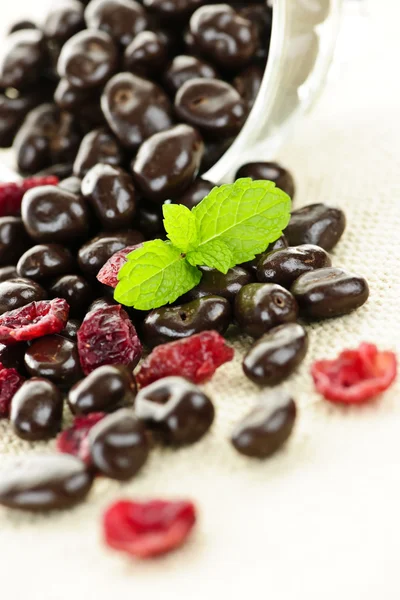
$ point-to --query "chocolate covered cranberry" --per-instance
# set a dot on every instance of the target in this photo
(111, 193)
(317, 224)
(56, 358)
(178, 411)
(185, 67)
(286, 265)
(329, 292)
(88, 59)
(267, 427)
(123, 20)
(44, 261)
(146, 55)
(168, 162)
(51, 214)
(75, 290)
(47, 137)
(13, 240)
(95, 253)
(279, 244)
(44, 482)
(173, 323)
(261, 306)
(18, 292)
(119, 445)
(222, 35)
(248, 83)
(13, 109)
(135, 109)
(212, 105)
(270, 171)
(36, 410)
(106, 389)
(62, 22)
(276, 355)
(195, 193)
(215, 283)
(22, 59)
(98, 146)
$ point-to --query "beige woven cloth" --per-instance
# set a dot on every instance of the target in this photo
(320, 520)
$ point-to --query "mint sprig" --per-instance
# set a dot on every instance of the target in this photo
(229, 227)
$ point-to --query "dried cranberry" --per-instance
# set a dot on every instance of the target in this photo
(11, 194)
(108, 274)
(74, 439)
(146, 529)
(10, 382)
(34, 320)
(355, 376)
(107, 337)
(196, 358)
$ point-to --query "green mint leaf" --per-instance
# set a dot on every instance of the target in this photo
(154, 275)
(180, 223)
(215, 254)
(246, 215)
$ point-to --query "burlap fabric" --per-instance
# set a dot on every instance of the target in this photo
(320, 520)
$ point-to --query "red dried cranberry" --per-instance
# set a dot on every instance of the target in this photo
(34, 320)
(107, 337)
(11, 194)
(196, 358)
(108, 274)
(146, 529)
(10, 382)
(355, 376)
(74, 440)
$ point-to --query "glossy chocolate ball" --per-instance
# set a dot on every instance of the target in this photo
(18, 292)
(135, 109)
(286, 265)
(316, 224)
(269, 171)
(64, 21)
(14, 107)
(329, 292)
(106, 389)
(111, 193)
(176, 410)
(13, 240)
(123, 20)
(119, 445)
(267, 426)
(45, 260)
(223, 36)
(261, 306)
(22, 59)
(171, 323)
(185, 67)
(146, 55)
(36, 410)
(56, 358)
(98, 146)
(168, 162)
(75, 290)
(276, 355)
(211, 105)
(44, 482)
(95, 253)
(88, 59)
(51, 214)
(47, 137)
